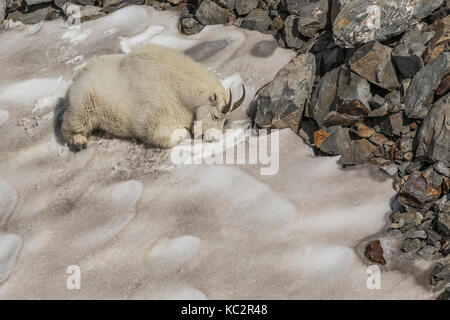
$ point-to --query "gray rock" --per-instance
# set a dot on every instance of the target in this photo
(190, 26)
(423, 86)
(440, 272)
(394, 101)
(291, 33)
(441, 168)
(353, 95)
(337, 140)
(2, 10)
(427, 252)
(373, 62)
(323, 97)
(356, 23)
(257, 19)
(10, 245)
(13, 5)
(394, 125)
(280, 103)
(379, 112)
(434, 134)
(408, 58)
(433, 236)
(419, 234)
(33, 2)
(313, 18)
(412, 245)
(445, 295)
(243, 7)
(359, 152)
(443, 222)
(407, 220)
(32, 17)
(294, 6)
(390, 169)
(418, 34)
(376, 101)
(211, 13)
(338, 119)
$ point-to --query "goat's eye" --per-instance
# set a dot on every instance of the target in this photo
(214, 117)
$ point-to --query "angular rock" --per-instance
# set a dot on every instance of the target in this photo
(433, 138)
(427, 252)
(294, 6)
(13, 5)
(433, 236)
(364, 131)
(394, 125)
(373, 62)
(423, 86)
(313, 17)
(441, 39)
(416, 191)
(390, 169)
(441, 168)
(411, 245)
(374, 252)
(244, 7)
(323, 97)
(443, 223)
(376, 101)
(408, 58)
(407, 220)
(280, 103)
(291, 33)
(333, 140)
(419, 234)
(329, 59)
(353, 96)
(363, 21)
(190, 26)
(440, 272)
(32, 17)
(379, 112)
(359, 152)
(258, 20)
(277, 24)
(418, 34)
(338, 119)
(445, 295)
(33, 2)
(211, 13)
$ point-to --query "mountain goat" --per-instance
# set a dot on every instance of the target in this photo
(149, 94)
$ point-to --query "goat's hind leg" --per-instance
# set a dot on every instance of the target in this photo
(74, 132)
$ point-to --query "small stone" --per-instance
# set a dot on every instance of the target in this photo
(379, 139)
(376, 101)
(394, 125)
(441, 168)
(291, 33)
(313, 17)
(441, 39)
(440, 272)
(419, 234)
(353, 99)
(408, 156)
(379, 112)
(333, 140)
(190, 26)
(390, 169)
(33, 16)
(277, 24)
(209, 13)
(443, 223)
(338, 119)
(244, 7)
(373, 62)
(408, 58)
(433, 237)
(258, 20)
(364, 131)
(359, 152)
(427, 252)
(411, 245)
(374, 252)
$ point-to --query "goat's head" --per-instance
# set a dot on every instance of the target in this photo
(213, 114)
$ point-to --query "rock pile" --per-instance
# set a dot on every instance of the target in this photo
(370, 83)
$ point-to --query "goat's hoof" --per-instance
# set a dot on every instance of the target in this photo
(80, 142)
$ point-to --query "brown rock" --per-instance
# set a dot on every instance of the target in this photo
(441, 40)
(374, 252)
(277, 24)
(373, 62)
(338, 119)
(364, 131)
(320, 137)
(379, 139)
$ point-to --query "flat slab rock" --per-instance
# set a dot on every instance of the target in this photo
(424, 85)
(280, 103)
(434, 134)
(357, 22)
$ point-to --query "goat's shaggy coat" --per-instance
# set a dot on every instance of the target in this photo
(149, 94)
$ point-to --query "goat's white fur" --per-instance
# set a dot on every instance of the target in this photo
(148, 94)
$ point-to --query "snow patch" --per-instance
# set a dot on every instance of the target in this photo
(10, 245)
(4, 116)
(8, 199)
(45, 102)
(127, 44)
(171, 254)
(75, 60)
(28, 91)
(76, 34)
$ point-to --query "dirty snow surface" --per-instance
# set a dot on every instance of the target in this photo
(140, 227)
